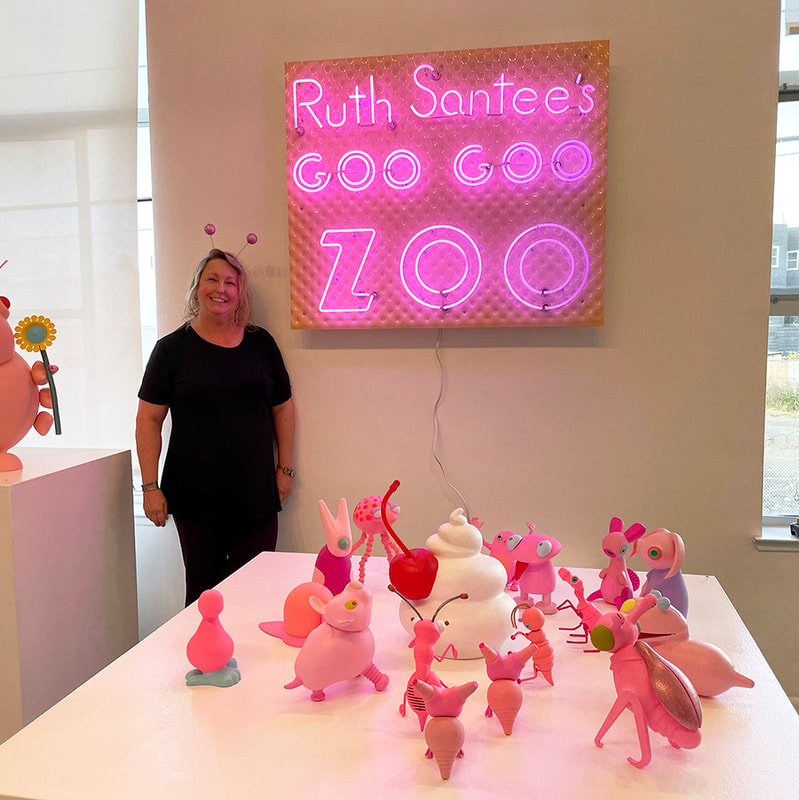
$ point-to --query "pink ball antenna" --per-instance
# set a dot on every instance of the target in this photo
(210, 229)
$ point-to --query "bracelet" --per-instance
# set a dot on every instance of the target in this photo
(149, 487)
(287, 471)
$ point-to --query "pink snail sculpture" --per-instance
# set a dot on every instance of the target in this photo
(210, 649)
(341, 647)
(618, 582)
(659, 696)
(299, 616)
(444, 733)
(504, 693)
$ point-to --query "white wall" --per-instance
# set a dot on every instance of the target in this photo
(655, 417)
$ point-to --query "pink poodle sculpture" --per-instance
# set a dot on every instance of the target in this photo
(708, 668)
(342, 647)
(426, 633)
(535, 573)
(618, 582)
(664, 552)
(333, 565)
(660, 697)
(368, 519)
(210, 649)
(444, 733)
(504, 694)
(532, 628)
(19, 395)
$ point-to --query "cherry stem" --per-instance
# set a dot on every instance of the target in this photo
(391, 489)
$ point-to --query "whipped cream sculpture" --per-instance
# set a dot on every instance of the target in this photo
(485, 616)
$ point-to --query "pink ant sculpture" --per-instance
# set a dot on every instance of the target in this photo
(532, 620)
(660, 697)
(444, 733)
(368, 518)
(504, 694)
(426, 633)
(618, 582)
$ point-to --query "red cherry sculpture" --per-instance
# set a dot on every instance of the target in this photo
(413, 572)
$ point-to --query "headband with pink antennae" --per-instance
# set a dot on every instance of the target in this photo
(210, 230)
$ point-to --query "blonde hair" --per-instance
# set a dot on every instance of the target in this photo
(243, 309)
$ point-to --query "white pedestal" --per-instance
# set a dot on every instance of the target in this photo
(67, 575)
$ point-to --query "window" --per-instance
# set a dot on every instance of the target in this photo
(793, 259)
(775, 256)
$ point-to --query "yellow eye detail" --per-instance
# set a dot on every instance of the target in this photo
(34, 334)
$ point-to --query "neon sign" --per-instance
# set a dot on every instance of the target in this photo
(450, 189)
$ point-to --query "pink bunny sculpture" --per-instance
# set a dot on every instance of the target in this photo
(660, 697)
(504, 693)
(708, 668)
(618, 582)
(664, 552)
(342, 647)
(368, 519)
(210, 649)
(444, 733)
(426, 633)
(535, 573)
(333, 565)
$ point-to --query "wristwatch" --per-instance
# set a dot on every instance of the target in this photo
(287, 471)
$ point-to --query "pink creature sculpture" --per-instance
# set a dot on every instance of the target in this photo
(444, 733)
(504, 694)
(535, 573)
(210, 649)
(664, 551)
(660, 697)
(532, 620)
(333, 565)
(426, 632)
(618, 582)
(708, 668)
(368, 518)
(342, 647)
(19, 397)
(498, 548)
(299, 617)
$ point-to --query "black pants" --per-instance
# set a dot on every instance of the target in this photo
(212, 552)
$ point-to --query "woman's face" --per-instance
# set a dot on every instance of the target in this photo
(218, 290)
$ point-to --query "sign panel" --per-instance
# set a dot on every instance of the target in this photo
(453, 189)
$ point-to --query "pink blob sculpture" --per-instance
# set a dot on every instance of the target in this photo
(664, 552)
(618, 582)
(444, 733)
(299, 617)
(708, 668)
(532, 628)
(210, 649)
(342, 647)
(426, 633)
(19, 395)
(504, 694)
(535, 573)
(333, 565)
(368, 519)
(658, 694)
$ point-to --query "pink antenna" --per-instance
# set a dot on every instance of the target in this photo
(210, 230)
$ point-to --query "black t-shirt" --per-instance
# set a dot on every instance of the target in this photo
(219, 464)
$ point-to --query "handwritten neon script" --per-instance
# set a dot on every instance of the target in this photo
(500, 98)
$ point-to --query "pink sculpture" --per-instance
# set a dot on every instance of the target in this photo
(342, 647)
(708, 668)
(532, 620)
(534, 570)
(664, 552)
(426, 633)
(19, 397)
(660, 697)
(299, 617)
(504, 693)
(333, 565)
(444, 733)
(210, 649)
(618, 582)
(368, 518)
(498, 548)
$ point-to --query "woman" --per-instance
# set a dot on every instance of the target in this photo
(225, 384)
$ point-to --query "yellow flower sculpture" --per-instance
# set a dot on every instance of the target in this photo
(34, 334)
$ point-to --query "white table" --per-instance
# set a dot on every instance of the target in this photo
(137, 731)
